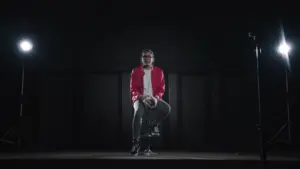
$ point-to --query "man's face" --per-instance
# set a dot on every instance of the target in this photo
(147, 58)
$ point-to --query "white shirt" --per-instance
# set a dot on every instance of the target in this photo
(147, 82)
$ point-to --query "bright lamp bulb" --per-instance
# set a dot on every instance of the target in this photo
(25, 46)
(284, 48)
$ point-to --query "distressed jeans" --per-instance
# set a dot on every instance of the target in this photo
(159, 113)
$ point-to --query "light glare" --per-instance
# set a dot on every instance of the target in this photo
(284, 48)
(25, 46)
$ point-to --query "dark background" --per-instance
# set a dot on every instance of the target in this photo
(77, 78)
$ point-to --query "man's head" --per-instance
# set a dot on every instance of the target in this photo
(147, 57)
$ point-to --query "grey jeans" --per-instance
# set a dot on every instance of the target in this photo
(159, 113)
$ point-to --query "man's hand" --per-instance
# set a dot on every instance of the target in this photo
(155, 100)
(149, 101)
(146, 100)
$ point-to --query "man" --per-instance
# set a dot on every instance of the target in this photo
(147, 87)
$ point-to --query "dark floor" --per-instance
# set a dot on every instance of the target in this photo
(87, 160)
(161, 155)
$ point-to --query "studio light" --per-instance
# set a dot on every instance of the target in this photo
(284, 49)
(25, 46)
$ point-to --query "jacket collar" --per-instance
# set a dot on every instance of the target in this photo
(142, 67)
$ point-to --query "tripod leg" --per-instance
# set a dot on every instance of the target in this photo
(4, 138)
(263, 155)
(6, 134)
(278, 133)
(289, 132)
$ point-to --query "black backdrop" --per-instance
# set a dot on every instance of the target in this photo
(77, 95)
(211, 111)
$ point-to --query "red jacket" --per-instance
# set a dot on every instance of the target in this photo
(137, 84)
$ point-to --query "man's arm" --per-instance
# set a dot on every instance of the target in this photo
(161, 86)
(134, 87)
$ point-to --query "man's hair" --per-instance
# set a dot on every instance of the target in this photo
(147, 51)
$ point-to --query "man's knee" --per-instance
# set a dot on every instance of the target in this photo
(165, 108)
(168, 109)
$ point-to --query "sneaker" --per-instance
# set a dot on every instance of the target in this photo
(135, 147)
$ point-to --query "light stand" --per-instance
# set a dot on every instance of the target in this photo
(25, 47)
(22, 90)
(284, 51)
(263, 155)
(14, 130)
